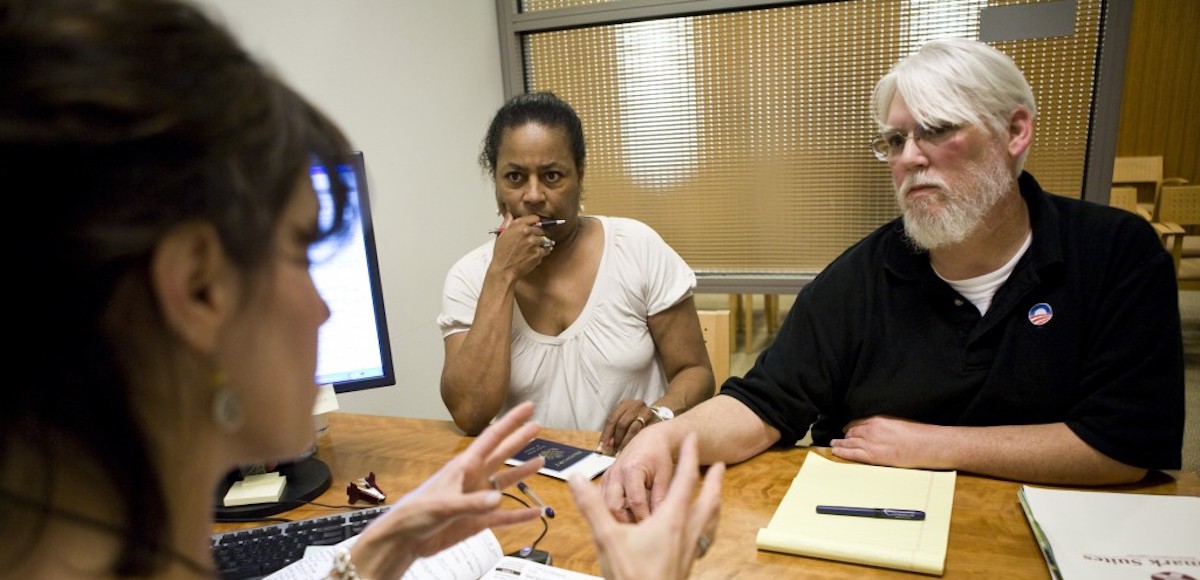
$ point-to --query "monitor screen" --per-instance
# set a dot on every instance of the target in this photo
(353, 349)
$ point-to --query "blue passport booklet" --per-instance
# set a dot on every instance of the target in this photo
(562, 460)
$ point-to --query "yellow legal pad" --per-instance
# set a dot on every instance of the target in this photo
(916, 546)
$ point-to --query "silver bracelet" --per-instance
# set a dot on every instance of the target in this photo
(343, 568)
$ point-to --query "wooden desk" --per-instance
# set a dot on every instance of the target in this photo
(989, 536)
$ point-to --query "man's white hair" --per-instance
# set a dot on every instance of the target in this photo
(954, 81)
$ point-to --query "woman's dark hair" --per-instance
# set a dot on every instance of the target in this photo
(542, 108)
(120, 120)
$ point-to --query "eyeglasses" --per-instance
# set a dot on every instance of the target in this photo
(890, 144)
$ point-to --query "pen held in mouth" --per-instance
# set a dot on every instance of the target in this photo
(541, 224)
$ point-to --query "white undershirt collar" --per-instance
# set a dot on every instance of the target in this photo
(980, 289)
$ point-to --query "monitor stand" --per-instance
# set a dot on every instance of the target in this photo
(307, 479)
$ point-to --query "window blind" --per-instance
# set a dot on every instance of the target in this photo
(742, 136)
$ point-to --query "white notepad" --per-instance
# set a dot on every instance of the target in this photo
(478, 557)
(1097, 535)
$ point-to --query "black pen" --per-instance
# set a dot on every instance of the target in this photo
(884, 513)
(525, 489)
(541, 224)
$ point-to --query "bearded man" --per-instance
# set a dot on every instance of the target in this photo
(993, 328)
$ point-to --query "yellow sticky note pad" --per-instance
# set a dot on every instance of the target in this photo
(261, 488)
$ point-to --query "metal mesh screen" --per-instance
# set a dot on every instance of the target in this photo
(741, 137)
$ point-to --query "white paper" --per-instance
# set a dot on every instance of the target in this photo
(589, 467)
(1096, 535)
(466, 560)
(512, 567)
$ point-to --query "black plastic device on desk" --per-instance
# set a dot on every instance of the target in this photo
(528, 553)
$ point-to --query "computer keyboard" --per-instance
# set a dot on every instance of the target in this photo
(257, 552)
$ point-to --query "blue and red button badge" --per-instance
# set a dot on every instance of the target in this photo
(1040, 314)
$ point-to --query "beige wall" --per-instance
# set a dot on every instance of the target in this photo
(414, 84)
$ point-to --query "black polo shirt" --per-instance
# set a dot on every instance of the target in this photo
(1085, 331)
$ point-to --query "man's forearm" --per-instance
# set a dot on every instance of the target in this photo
(1050, 454)
(728, 430)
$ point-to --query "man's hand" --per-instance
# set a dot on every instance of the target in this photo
(638, 481)
(1049, 453)
(883, 440)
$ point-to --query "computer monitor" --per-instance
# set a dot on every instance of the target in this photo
(353, 349)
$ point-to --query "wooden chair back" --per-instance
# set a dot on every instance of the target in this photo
(1179, 208)
(714, 325)
(1144, 173)
(1125, 198)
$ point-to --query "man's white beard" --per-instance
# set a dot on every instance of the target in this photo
(955, 213)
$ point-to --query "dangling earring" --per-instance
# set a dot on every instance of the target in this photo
(227, 410)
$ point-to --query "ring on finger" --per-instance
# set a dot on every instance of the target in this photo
(640, 420)
(495, 484)
(547, 243)
(702, 545)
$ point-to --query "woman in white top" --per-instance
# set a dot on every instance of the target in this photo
(592, 318)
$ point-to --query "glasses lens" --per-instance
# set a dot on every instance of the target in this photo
(891, 144)
(895, 142)
(935, 135)
(879, 147)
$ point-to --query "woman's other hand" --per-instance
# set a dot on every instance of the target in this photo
(665, 544)
(627, 419)
(458, 501)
